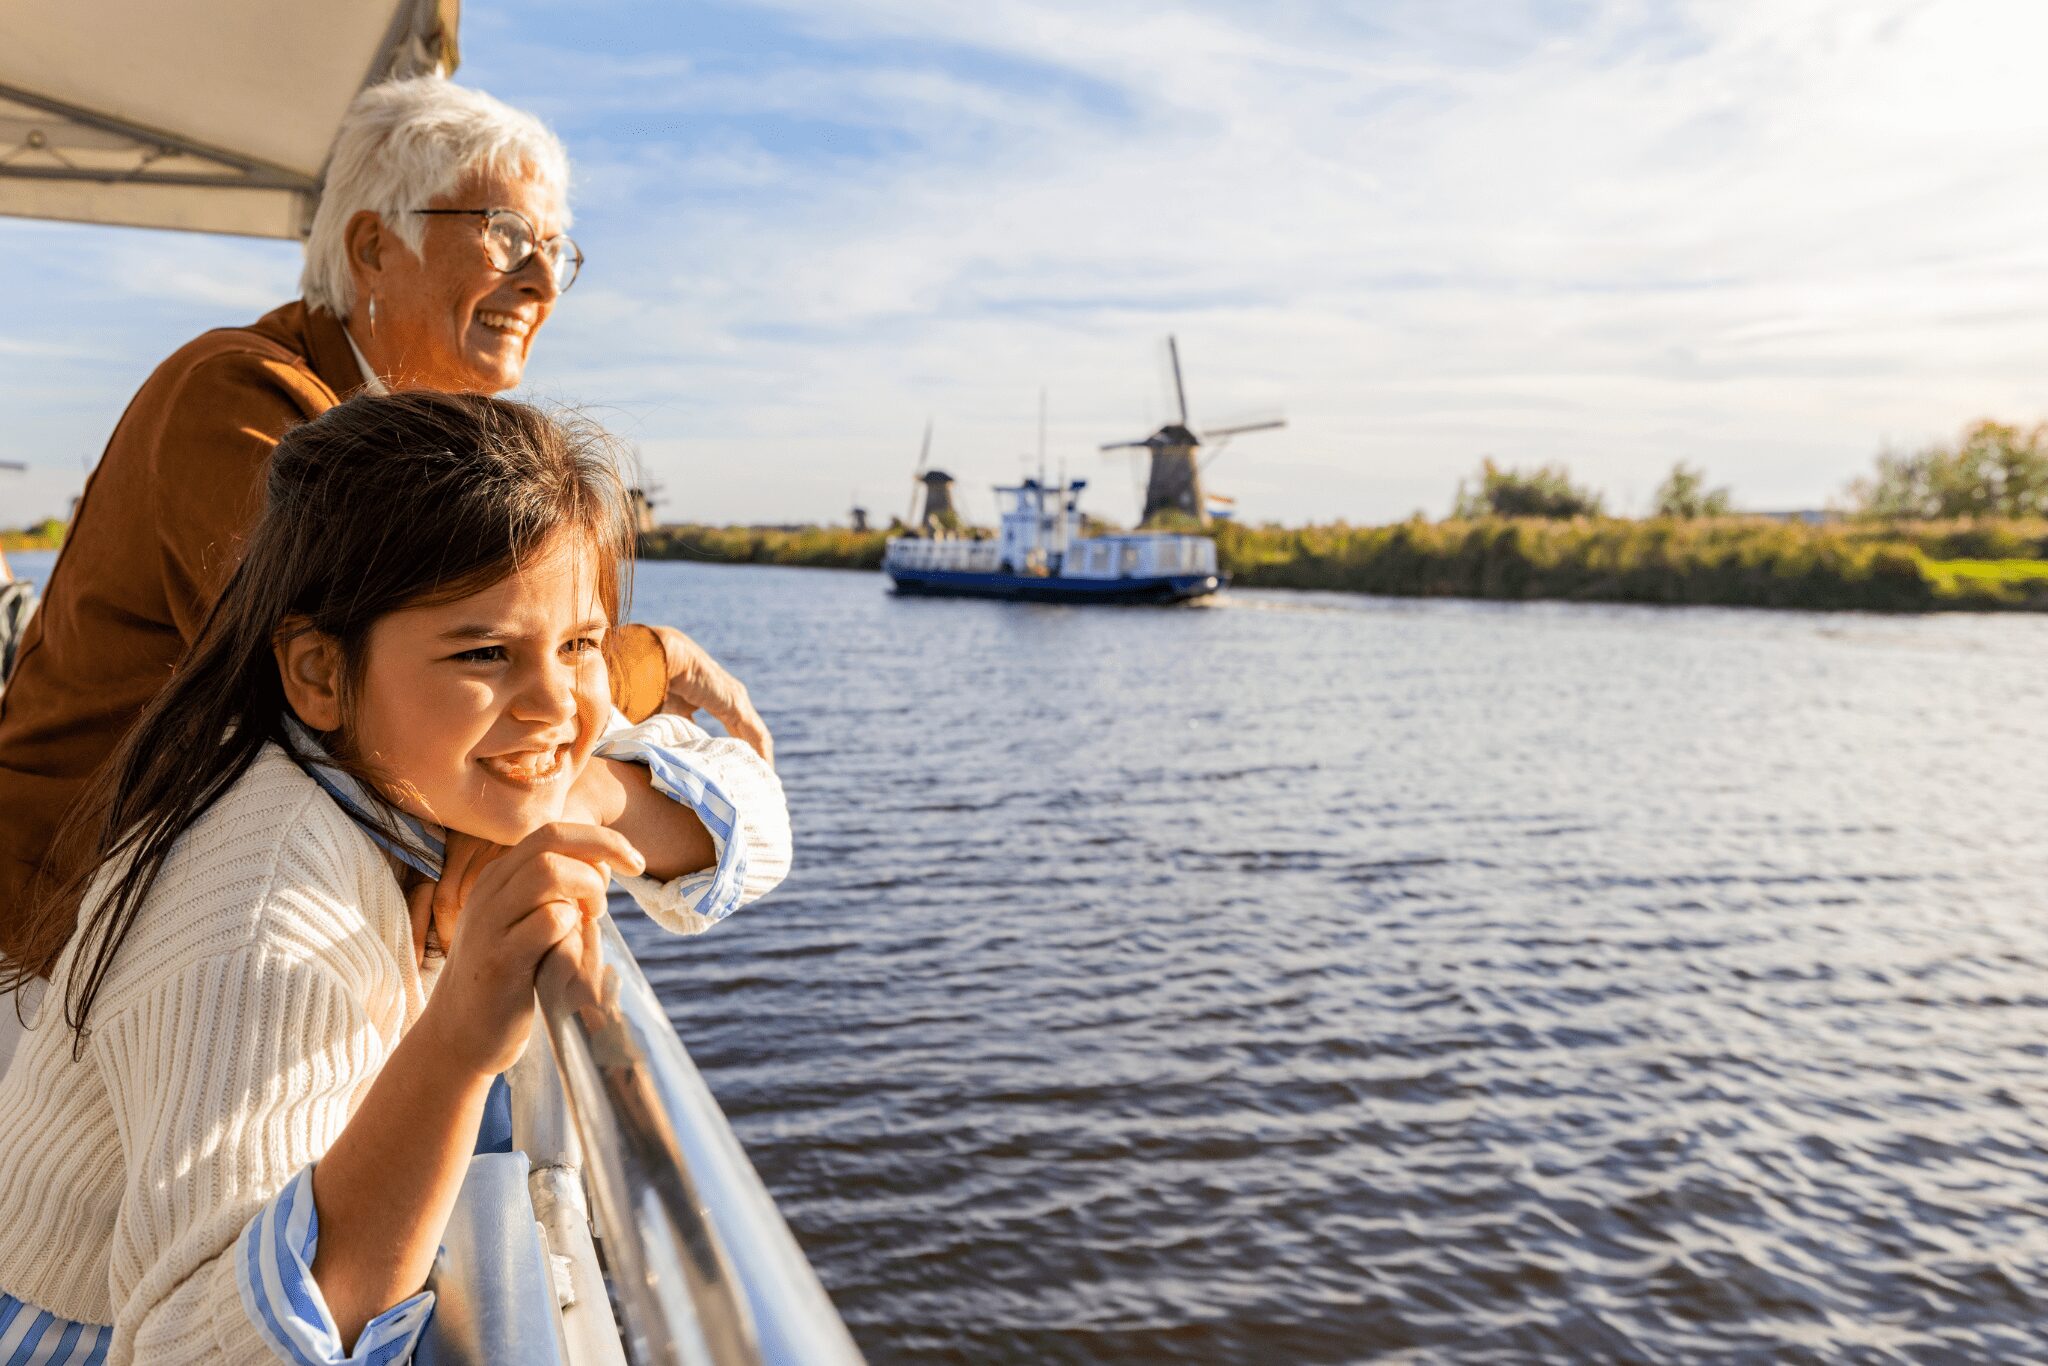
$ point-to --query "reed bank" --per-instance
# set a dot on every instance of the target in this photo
(1974, 564)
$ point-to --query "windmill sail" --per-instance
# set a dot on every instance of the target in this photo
(924, 455)
(1180, 389)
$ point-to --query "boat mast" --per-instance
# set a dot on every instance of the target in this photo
(1048, 541)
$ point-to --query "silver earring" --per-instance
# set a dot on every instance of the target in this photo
(373, 315)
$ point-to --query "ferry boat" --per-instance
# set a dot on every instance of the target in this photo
(1040, 555)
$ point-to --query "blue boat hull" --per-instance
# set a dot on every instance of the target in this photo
(1024, 588)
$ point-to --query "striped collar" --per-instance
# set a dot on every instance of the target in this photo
(419, 845)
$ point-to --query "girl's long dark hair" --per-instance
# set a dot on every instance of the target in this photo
(377, 504)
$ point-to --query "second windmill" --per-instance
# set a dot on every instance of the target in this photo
(1174, 483)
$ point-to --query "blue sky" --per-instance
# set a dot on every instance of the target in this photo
(1766, 236)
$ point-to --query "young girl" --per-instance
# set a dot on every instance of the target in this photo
(240, 1120)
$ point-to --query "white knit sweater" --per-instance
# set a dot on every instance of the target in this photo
(268, 976)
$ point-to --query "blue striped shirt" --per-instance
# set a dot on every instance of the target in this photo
(35, 1337)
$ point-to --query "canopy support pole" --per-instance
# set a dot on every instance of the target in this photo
(250, 173)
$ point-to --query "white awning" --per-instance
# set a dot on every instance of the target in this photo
(212, 117)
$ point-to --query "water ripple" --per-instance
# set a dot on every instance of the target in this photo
(1313, 980)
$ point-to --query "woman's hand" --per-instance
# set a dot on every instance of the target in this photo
(522, 905)
(697, 682)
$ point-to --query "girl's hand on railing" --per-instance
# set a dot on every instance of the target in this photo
(522, 905)
(463, 859)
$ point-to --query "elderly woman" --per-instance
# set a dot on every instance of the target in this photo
(437, 253)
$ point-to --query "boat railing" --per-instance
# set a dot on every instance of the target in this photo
(1140, 556)
(955, 556)
(702, 1267)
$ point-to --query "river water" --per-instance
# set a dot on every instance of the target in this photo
(1311, 978)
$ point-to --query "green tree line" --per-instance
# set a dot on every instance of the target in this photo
(1994, 469)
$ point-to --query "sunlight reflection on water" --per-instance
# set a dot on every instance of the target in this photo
(1311, 979)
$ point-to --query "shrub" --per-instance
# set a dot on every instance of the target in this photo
(1684, 493)
(1543, 492)
(1994, 470)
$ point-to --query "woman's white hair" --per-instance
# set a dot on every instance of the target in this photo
(400, 145)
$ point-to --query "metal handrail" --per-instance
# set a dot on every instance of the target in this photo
(705, 1271)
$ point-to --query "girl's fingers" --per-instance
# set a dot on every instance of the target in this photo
(561, 865)
(572, 966)
(552, 877)
(592, 843)
(533, 938)
(463, 861)
(486, 854)
(419, 904)
(605, 850)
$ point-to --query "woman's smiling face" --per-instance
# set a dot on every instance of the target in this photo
(449, 319)
(479, 714)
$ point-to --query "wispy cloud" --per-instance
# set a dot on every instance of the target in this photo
(1762, 235)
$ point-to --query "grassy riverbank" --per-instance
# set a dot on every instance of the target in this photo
(1731, 562)
(813, 547)
(1983, 564)
(47, 535)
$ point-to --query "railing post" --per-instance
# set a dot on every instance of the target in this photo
(705, 1269)
(541, 1128)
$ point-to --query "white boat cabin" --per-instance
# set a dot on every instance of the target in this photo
(1040, 537)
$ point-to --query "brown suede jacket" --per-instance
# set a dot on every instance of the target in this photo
(157, 533)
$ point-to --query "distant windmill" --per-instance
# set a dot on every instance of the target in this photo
(642, 501)
(938, 491)
(938, 502)
(858, 513)
(1175, 481)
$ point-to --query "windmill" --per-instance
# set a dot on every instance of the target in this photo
(938, 492)
(859, 514)
(1175, 481)
(641, 500)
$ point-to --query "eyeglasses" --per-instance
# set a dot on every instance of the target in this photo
(510, 242)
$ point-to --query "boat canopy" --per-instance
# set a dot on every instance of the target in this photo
(215, 117)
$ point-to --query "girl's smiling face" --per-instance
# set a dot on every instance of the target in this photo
(480, 714)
